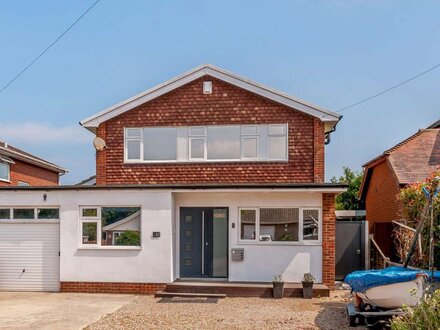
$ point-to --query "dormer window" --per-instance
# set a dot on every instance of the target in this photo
(215, 143)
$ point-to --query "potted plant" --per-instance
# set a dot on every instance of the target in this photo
(278, 286)
(307, 284)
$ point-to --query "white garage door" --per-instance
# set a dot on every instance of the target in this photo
(29, 257)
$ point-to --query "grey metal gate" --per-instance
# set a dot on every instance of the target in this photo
(350, 247)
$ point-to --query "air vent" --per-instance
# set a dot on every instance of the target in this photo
(207, 87)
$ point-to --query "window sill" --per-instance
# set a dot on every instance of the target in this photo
(198, 162)
(6, 181)
(312, 243)
(134, 248)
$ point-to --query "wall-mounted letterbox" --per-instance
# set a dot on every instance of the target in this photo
(237, 254)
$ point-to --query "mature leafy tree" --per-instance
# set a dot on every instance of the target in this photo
(349, 200)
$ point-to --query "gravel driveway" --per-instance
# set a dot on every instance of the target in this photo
(147, 312)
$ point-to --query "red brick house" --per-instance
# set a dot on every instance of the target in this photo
(412, 160)
(214, 175)
(19, 168)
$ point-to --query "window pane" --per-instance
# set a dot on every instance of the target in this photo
(89, 230)
(48, 213)
(160, 143)
(133, 132)
(311, 225)
(5, 214)
(224, 142)
(279, 224)
(134, 149)
(250, 147)
(277, 129)
(121, 226)
(4, 171)
(250, 130)
(197, 131)
(247, 224)
(91, 212)
(197, 148)
(24, 213)
(277, 147)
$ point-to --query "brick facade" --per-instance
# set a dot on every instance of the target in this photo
(228, 104)
(328, 239)
(32, 174)
(112, 287)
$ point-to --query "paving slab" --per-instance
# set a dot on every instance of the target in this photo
(35, 310)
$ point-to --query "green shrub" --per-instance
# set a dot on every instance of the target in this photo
(426, 315)
(129, 238)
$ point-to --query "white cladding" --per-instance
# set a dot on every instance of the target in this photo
(157, 260)
(29, 259)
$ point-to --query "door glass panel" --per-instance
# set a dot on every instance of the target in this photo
(188, 233)
(220, 243)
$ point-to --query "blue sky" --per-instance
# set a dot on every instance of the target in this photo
(330, 53)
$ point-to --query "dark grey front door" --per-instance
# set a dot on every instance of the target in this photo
(203, 242)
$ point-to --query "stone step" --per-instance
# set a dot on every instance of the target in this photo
(163, 294)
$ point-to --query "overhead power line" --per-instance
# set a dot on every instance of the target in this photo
(390, 89)
(48, 47)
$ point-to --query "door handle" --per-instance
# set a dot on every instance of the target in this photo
(358, 252)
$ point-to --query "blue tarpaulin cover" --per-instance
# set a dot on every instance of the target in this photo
(360, 281)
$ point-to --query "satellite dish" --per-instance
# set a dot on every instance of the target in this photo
(99, 144)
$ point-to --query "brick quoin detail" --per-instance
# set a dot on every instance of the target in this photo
(328, 239)
(32, 174)
(228, 104)
(112, 287)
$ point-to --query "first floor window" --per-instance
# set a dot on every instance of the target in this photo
(111, 226)
(4, 171)
(270, 224)
(29, 213)
(5, 214)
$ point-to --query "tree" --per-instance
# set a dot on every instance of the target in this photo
(129, 238)
(349, 200)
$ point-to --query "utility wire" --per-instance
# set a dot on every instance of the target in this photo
(48, 47)
(390, 89)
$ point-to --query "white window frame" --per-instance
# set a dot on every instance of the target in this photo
(300, 240)
(286, 135)
(197, 137)
(141, 146)
(8, 168)
(262, 136)
(319, 240)
(35, 219)
(98, 221)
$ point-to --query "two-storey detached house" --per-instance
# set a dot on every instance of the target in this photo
(208, 175)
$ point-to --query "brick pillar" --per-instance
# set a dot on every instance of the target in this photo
(328, 239)
(101, 156)
(318, 150)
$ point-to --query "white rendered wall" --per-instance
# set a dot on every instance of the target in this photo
(152, 263)
(261, 262)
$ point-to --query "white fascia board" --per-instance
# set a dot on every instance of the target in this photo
(324, 115)
(255, 190)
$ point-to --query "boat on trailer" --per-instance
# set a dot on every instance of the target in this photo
(380, 294)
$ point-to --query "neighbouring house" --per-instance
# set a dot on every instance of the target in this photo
(412, 160)
(20, 168)
(207, 175)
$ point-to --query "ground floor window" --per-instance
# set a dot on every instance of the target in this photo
(271, 224)
(110, 226)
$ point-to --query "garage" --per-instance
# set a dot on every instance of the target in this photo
(29, 250)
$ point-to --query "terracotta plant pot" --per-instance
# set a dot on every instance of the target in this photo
(278, 290)
(307, 290)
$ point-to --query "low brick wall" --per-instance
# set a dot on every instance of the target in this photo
(112, 287)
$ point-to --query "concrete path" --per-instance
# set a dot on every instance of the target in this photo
(25, 310)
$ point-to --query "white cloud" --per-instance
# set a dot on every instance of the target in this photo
(33, 133)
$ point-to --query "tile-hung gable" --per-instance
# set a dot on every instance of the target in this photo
(209, 125)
